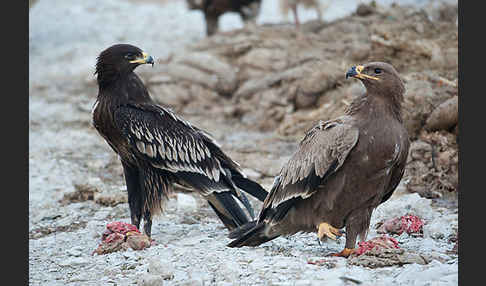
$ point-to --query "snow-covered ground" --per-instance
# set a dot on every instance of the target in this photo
(65, 38)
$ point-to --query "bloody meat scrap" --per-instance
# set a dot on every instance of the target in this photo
(121, 236)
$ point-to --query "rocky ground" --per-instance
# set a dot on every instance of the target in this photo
(257, 89)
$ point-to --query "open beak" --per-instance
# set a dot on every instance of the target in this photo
(145, 59)
(356, 73)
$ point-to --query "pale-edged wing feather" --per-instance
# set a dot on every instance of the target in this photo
(156, 135)
(321, 152)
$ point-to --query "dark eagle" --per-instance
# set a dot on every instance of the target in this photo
(343, 169)
(213, 9)
(157, 148)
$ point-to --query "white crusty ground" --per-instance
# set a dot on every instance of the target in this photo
(64, 39)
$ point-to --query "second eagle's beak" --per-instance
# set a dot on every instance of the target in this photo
(145, 59)
(356, 73)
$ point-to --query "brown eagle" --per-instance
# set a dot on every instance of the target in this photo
(213, 9)
(157, 148)
(343, 169)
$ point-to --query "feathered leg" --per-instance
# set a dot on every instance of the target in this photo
(296, 16)
(134, 195)
(357, 223)
(147, 224)
(211, 24)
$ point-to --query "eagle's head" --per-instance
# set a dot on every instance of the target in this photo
(379, 78)
(118, 60)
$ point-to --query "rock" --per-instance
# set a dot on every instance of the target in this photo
(305, 100)
(191, 74)
(148, 279)
(229, 271)
(326, 262)
(190, 282)
(225, 73)
(164, 269)
(419, 101)
(265, 59)
(171, 95)
(74, 262)
(103, 213)
(385, 257)
(186, 203)
(364, 10)
(252, 86)
(445, 116)
(111, 198)
(138, 241)
(74, 252)
(441, 227)
(84, 191)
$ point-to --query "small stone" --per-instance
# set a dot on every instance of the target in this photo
(364, 10)
(409, 258)
(129, 254)
(186, 203)
(110, 198)
(73, 252)
(302, 283)
(148, 279)
(191, 282)
(74, 262)
(164, 269)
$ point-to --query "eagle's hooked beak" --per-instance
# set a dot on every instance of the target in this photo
(145, 59)
(356, 73)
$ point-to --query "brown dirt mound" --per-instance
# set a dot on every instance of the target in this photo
(267, 79)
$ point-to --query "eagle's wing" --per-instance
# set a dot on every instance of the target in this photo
(397, 167)
(321, 152)
(159, 137)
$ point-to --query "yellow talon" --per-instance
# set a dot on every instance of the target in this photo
(326, 230)
(346, 252)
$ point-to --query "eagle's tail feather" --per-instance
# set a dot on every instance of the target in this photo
(251, 234)
(227, 209)
(250, 187)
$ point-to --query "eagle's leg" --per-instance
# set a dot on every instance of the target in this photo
(135, 217)
(319, 14)
(326, 230)
(357, 223)
(300, 34)
(346, 252)
(134, 196)
(212, 23)
(296, 16)
(351, 236)
(147, 226)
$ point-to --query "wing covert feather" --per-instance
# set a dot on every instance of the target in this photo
(168, 142)
(321, 152)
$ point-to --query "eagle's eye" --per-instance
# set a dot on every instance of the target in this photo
(378, 71)
(130, 56)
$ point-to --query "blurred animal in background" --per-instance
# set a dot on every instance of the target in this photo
(342, 170)
(213, 9)
(158, 149)
(286, 5)
(31, 3)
